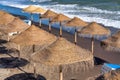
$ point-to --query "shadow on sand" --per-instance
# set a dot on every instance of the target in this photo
(12, 62)
(98, 61)
(4, 50)
(3, 41)
(25, 76)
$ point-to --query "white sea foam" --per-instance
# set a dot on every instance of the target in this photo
(96, 10)
(65, 9)
(39, 0)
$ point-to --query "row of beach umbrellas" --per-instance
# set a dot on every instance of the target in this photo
(84, 28)
(30, 37)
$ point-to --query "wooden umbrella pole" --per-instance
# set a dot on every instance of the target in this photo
(75, 36)
(92, 47)
(49, 26)
(35, 75)
(61, 74)
(19, 52)
(60, 29)
(39, 21)
(31, 17)
(8, 37)
(33, 48)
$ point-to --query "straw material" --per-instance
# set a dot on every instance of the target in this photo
(113, 42)
(95, 29)
(38, 10)
(76, 22)
(16, 25)
(113, 75)
(6, 18)
(60, 18)
(33, 36)
(2, 12)
(49, 14)
(30, 8)
(62, 52)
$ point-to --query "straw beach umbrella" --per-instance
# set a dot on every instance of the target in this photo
(94, 29)
(29, 9)
(13, 28)
(6, 18)
(31, 40)
(60, 18)
(62, 57)
(49, 14)
(2, 12)
(39, 11)
(76, 23)
(33, 9)
(113, 42)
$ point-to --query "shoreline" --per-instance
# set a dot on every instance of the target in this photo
(113, 57)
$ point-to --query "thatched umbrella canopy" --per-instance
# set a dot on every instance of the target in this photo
(15, 27)
(39, 11)
(6, 18)
(30, 8)
(60, 18)
(112, 43)
(33, 39)
(112, 75)
(62, 53)
(49, 14)
(2, 12)
(76, 22)
(94, 29)
(33, 9)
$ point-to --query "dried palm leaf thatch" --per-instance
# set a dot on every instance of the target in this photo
(76, 22)
(6, 18)
(95, 29)
(16, 25)
(2, 12)
(113, 75)
(30, 8)
(60, 18)
(34, 36)
(64, 56)
(49, 14)
(62, 52)
(38, 10)
(112, 43)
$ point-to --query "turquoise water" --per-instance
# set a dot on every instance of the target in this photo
(106, 12)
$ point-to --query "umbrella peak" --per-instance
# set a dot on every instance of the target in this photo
(30, 8)
(38, 10)
(6, 18)
(2, 12)
(95, 29)
(49, 14)
(60, 17)
(76, 22)
(62, 52)
(112, 43)
(34, 35)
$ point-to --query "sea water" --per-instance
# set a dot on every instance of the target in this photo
(106, 12)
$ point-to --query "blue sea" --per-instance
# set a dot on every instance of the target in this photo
(106, 12)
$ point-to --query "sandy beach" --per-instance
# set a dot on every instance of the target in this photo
(100, 55)
(112, 57)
